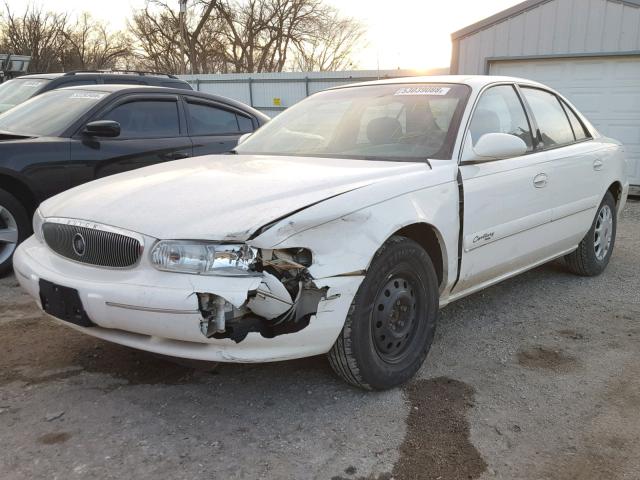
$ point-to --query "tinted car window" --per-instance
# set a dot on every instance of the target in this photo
(77, 82)
(51, 113)
(182, 85)
(146, 118)
(553, 123)
(500, 111)
(13, 92)
(578, 128)
(209, 120)
(123, 81)
(245, 123)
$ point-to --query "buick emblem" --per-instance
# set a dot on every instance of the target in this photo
(78, 244)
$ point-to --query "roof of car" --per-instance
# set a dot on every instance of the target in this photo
(122, 88)
(474, 81)
(114, 73)
(47, 76)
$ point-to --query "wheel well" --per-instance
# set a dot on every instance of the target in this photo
(616, 191)
(425, 235)
(21, 191)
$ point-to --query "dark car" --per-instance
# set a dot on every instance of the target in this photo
(21, 89)
(70, 136)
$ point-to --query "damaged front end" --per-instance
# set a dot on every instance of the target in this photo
(284, 301)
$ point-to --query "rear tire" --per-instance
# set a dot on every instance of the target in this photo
(391, 322)
(593, 254)
(14, 228)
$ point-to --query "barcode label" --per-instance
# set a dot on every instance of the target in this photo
(423, 91)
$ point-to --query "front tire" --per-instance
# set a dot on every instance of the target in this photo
(391, 322)
(14, 228)
(593, 254)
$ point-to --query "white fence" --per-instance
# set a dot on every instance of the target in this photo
(273, 92)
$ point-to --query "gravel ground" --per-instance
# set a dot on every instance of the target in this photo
(535, 378)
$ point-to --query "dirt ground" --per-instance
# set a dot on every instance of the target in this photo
(535, 378)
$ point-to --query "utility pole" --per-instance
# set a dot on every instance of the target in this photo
(182, 17)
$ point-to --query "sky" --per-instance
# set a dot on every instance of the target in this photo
(411, 34)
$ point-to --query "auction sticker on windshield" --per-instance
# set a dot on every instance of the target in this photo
(88, 95)
(423, 91)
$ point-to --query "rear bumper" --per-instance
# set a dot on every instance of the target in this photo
(158, 311)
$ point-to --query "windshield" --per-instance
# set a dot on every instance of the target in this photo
(402, 122)
(13, 92)
(49, 114)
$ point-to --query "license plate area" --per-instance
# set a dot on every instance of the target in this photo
(63, 303)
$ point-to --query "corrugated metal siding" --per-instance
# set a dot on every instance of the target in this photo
(557, 27)
(263, 90)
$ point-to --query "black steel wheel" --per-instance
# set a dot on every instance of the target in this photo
(391, 323)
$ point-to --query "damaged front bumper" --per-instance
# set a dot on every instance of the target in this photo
(190, 316)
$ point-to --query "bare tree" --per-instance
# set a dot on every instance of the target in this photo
(38, 33)
(331, 46)
(243, 36)
(166, 42)
(262, 34)
(90, 46)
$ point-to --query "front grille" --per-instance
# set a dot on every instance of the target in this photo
(92, 245)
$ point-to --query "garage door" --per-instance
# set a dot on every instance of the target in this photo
(605, 89)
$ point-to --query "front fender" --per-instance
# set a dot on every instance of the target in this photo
(347, 244)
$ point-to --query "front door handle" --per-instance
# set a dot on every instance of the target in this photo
(540, 180)
(175, 155)
(598, 165)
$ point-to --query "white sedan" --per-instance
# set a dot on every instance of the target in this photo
(340, 227)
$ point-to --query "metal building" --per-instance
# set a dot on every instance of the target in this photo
(589, 50)
(273, 92)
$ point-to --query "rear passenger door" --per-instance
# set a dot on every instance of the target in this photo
(152, 130)
(214, 128)
(579, 179)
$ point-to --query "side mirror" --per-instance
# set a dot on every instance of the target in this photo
(243, 137)
(495, 146)
(102, 128)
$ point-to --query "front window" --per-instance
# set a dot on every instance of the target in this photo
(500, 111)
(401, 122)
(51, 113)
(146, 118)
(18, 90)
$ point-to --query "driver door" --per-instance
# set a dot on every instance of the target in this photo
(507, 202)
(153, 131)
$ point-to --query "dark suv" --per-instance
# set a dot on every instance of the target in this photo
(70, 136)
(21, 89)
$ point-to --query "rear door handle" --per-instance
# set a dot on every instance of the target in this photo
(540, 180)
(598, 165)
(175, 155)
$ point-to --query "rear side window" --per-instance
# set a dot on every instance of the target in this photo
(182, 85)
(123, 81)
(146, 118)
(76, 82)
(500, 111)
(554, 126)
(578, 128)
(207, 119)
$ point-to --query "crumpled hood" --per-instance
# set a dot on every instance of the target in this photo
(217, 197)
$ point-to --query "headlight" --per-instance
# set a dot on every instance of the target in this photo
(38, 220)
(203, 258)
